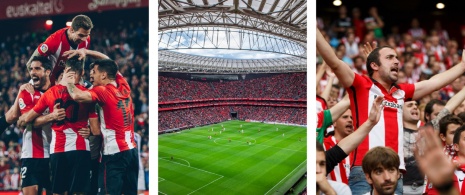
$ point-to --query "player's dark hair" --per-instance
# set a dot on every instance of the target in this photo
(58, 74)
(374, 57)
(446, 120)
(108, 66)
(457, 134)
(46, 63)
(429, 107)
(75, 64)
(81, 21)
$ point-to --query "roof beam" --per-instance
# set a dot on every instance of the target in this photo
(175, 7)
(262, 5)
(291, 11)
(274, 5)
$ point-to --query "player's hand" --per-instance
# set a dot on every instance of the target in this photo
(21, 122)
(68, 77)
(84, 132)
(367, 48)
(58, 113)
(28, 87)
(80, 52)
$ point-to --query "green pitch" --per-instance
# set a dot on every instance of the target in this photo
(252, 162)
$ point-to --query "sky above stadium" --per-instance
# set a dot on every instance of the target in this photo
(227, 43)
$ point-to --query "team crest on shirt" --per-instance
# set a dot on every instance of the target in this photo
(22, 105)
(47, 111)
(399, 94)
(44, 48)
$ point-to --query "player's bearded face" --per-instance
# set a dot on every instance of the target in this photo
(38, 76)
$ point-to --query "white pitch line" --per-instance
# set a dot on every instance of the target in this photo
(189, 164)
(193, 167)
(206, 185)
(160, 180)
(286, 176)
(162, 193)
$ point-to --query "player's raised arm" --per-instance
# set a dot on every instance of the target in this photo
(82, 53)
(440, 80)
(342, 70)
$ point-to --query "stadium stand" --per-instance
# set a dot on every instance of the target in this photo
(186, 103)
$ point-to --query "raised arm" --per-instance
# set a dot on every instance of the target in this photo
(320, 73)
(339, 109)
(343, 72)
(429, 153)
(85, 52)
(440, 80)
(327, 91)
(349, 143)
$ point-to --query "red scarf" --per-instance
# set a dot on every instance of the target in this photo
(449, 151)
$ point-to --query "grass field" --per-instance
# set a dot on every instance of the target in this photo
(271, 164)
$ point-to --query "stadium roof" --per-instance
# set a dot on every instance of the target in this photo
(276, 26)
(180, 62)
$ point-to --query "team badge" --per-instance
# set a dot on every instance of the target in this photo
(22, 105)
(44, 48)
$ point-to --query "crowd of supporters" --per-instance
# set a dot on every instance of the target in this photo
(291, 86)
(192, 117)
(126, 42)
(287, 86)
(422, 52)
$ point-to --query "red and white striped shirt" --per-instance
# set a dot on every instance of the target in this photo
(116, 115)
(341, 171)
(65, 136)
(36, 141)
(54, 46)
(389, 130)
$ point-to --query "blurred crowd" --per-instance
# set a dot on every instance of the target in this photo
(286, 86)
(126, 42)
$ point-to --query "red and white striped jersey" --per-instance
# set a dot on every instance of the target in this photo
(116, 115)
(55, 45)
(341, 171)
(65, 136)
(36, 141)
(389, 130)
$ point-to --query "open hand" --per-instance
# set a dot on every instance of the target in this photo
(71, 53)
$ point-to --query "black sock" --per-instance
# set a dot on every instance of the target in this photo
(3, 124)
